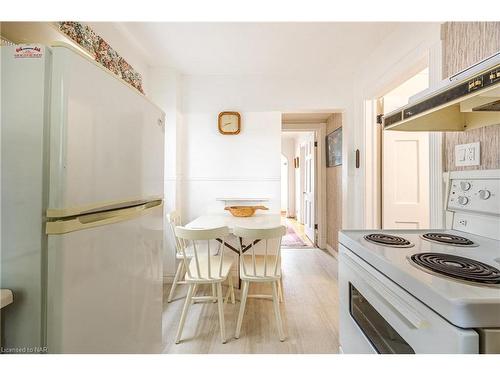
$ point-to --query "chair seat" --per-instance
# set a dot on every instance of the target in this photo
(259, 268)
(227, 263)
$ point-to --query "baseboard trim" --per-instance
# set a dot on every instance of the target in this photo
(331, 250)
(168, 279)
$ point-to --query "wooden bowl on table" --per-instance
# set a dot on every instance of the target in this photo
(244, 211)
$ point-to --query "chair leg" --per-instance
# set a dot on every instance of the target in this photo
(214, 292)
(176, 279)
(220, 304)
(277, 311)
(232, 289)
(185, 309)
(280, 291)
(244, 294)
(228, 293)
(195, 289)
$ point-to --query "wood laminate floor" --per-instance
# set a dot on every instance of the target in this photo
(310, 313)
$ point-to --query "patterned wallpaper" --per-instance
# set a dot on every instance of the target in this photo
(465, 43)
(102, 52)
(333, 191)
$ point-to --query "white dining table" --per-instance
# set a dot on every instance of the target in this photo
(259, 220)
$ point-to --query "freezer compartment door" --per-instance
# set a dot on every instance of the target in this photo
(106, 139)
(105, 287)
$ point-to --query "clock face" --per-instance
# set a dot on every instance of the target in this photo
(229, 122)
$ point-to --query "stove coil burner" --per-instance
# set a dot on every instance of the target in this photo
(388, 240)
(464, 269)
(448, 239)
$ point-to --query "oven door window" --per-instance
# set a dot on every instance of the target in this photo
(379, 332)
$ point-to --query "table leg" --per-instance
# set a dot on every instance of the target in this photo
(244, 249)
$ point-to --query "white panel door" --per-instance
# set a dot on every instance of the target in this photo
(405, 179)
(106, 138)
(105, 288)
(309, 179)
(301, 184)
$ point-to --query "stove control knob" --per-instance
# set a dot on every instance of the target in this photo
(464, 185)
(463, 200)
(484, 194)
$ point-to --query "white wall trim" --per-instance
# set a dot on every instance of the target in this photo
(436, 188)
(373, 162)
(436, 162)
(235, 178)
(320, 134)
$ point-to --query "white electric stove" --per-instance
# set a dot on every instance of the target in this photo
(427, 291)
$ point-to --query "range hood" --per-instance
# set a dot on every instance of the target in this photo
(467, 100)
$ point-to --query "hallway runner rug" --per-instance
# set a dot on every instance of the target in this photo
(291, 239)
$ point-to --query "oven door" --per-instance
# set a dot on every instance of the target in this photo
(377, 316)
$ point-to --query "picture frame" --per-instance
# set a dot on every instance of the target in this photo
(334, 148)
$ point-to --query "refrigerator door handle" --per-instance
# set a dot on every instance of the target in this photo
(72, 224)
(59, 213)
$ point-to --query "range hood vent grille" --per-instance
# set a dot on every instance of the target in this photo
(493, 106)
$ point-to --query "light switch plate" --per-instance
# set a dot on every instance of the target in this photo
(467, 154)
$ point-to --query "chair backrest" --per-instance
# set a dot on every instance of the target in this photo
(197, 237)
(174, 220)
(272, 259)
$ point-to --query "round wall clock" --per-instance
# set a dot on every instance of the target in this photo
(229, 123)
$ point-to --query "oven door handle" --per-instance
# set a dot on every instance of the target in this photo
(412, 318)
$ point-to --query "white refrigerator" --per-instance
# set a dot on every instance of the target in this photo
(81, 206)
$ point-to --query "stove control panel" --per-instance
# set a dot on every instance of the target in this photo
(481, 195)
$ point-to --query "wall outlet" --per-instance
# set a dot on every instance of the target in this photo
(467, 154)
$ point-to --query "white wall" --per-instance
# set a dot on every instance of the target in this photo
(400, 95)
(165, 91)
(288, 150)
(244, 165)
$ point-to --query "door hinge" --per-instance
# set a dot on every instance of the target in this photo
(380, 119)
(315, 226)
(315, 143)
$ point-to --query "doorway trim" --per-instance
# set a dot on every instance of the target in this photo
(320, 132)
(287, 189)
(372, 132)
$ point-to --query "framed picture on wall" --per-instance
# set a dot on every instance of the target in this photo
(334, 148)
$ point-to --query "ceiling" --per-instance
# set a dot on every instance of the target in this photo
(256, 48)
